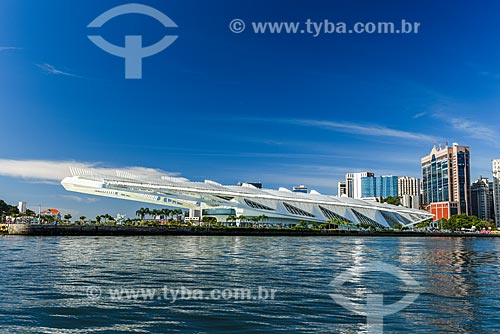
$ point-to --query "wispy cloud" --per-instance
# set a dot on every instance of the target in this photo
(80, 199)
(9, 48)
(469, 128)
(420, 114)
(363, 129)
(49, 170)
(50, 69)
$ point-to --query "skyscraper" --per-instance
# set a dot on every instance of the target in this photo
(379, 186)
(445, 181)
(496, 190)
(353, 183)
(481, 199)
(409, 191)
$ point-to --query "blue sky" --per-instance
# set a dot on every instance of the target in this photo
(278, 108)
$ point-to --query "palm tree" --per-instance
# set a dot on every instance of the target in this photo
(98, 219)
(154, 213)
(338, 222)
(231, 218)
(262, 218)
(141, 213)
(177, 212)
(147, 211)
(82, 219)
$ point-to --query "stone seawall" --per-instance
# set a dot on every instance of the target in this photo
(23, 229)
(93, 230)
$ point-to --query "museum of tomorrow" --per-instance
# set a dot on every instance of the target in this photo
(281, 207)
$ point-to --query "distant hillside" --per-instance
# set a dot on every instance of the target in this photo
(9, 209)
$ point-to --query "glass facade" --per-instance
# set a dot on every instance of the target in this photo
(380, 186)
(462, 162)
(446, 177)
(219, 212)
(435, 180)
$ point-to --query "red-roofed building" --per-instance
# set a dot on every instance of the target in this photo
(51, 213)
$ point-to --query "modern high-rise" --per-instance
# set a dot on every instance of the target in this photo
(481, 199)
(379, 186)
(496, 190)
(446, 180)
(353, 183)
(409, 191)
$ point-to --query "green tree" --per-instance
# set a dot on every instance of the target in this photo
(397, 227)
(423, 224)
(8, 209)
(209, 220)
(141, 213)
(337, 222)
(68, 217)
(166, 212)
(392, 200)
(231, 218)
(82, 219)
(262, 218)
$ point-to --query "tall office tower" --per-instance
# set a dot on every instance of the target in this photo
(445, 181)
(481, 199)
(492, 203)
(353, 183)
(342, 191)
(409, 191)
(496, 190)
(379, 186)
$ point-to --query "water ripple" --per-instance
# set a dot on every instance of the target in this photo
(44, 284)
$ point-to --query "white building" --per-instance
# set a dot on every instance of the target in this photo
(341, 189)
(21, 207)
(409, 191)
(353, 183)
(280, 207)
(496, 190)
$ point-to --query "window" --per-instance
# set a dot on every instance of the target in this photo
(364, 219)
(297, 211)
(256, 205)
(332, 215)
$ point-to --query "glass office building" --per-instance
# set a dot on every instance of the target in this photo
(446, 179)
(379, 186)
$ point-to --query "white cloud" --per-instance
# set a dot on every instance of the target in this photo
(50, 69)
(363, 129)
(49, 170)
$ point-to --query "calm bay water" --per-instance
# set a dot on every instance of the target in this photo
(66, 284)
